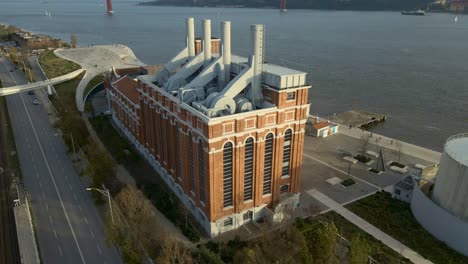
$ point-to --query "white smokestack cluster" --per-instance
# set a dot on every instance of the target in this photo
(257, 53)
(226, 42)
(191, 37)
(207, 41)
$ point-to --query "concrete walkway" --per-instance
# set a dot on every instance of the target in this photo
(390, 143)
(97, 60)
(370, 229)
(25, 232)
(40, 84)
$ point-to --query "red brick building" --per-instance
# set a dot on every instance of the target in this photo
(225, 132)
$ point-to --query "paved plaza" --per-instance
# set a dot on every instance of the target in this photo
(323, 160)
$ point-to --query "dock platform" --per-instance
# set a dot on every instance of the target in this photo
(358, 118)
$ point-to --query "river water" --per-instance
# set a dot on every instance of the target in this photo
(414, 69)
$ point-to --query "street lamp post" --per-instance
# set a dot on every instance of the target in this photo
(73, 144)
(349, 168)
(107, 194)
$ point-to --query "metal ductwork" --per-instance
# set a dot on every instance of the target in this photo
(207, 41)
(191, 37)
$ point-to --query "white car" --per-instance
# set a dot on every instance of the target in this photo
(35, 102)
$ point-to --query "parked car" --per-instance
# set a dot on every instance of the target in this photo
(35, 102)
(31, 92)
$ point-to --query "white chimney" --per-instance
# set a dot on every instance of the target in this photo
(258, 50)
(207, 41)
(191, 37)
(226, 40)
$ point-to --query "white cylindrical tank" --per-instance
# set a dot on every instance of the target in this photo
(451, 186)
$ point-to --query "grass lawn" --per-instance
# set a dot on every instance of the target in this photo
(394, 217)
(95, 81)
(54, 66)
(380, 252)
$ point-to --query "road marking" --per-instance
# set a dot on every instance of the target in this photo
(69, 185)
(99, 249)
(344, 172)
(55, 234)
(51, 221)
(74, 196)
(92, 234)
(43, 196)
(85, 219)
(60, 250)
(47, 206)
(79, 206)
(40, 184)
(53, 180)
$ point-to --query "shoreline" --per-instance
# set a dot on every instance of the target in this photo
(155, 4)
(387, 142)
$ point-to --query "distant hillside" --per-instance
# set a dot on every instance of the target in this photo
(396, 5)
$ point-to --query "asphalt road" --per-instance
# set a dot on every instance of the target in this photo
(67, 223)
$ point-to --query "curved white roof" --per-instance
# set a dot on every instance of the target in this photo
(457, 148)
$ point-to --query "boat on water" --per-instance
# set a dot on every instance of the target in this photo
(418, 12)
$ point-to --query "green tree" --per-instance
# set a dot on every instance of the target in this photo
(323, 244)
(207, 256)
(360, 250)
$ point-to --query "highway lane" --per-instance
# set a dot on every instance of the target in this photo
(67, 223)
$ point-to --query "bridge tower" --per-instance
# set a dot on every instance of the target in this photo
(109, 7)
(283, 6)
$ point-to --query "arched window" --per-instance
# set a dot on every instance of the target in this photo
(179, 152)
(268, 164)
(227, 174)
(191, 165)
(248, 169)
(201, 170)
(286, 153)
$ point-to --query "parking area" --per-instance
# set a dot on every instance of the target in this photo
(324, 169)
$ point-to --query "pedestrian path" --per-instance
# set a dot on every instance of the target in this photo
(25, 232)
(40, 84)
(368, 228)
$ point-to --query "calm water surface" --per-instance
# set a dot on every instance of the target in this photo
(414, 69)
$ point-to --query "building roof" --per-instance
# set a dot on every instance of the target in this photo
(320, 125)
(268, 67)
(406, 184)
(128, 87)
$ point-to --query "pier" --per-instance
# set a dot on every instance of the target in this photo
(358, 118)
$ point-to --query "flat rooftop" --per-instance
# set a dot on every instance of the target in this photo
(268, 67)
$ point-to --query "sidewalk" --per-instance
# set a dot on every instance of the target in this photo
(25, 231)
(389, 143)
(370, 229)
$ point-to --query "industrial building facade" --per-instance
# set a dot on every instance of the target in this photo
(231, 149)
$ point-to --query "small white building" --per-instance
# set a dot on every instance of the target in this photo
(323, 129)
(403, 190)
